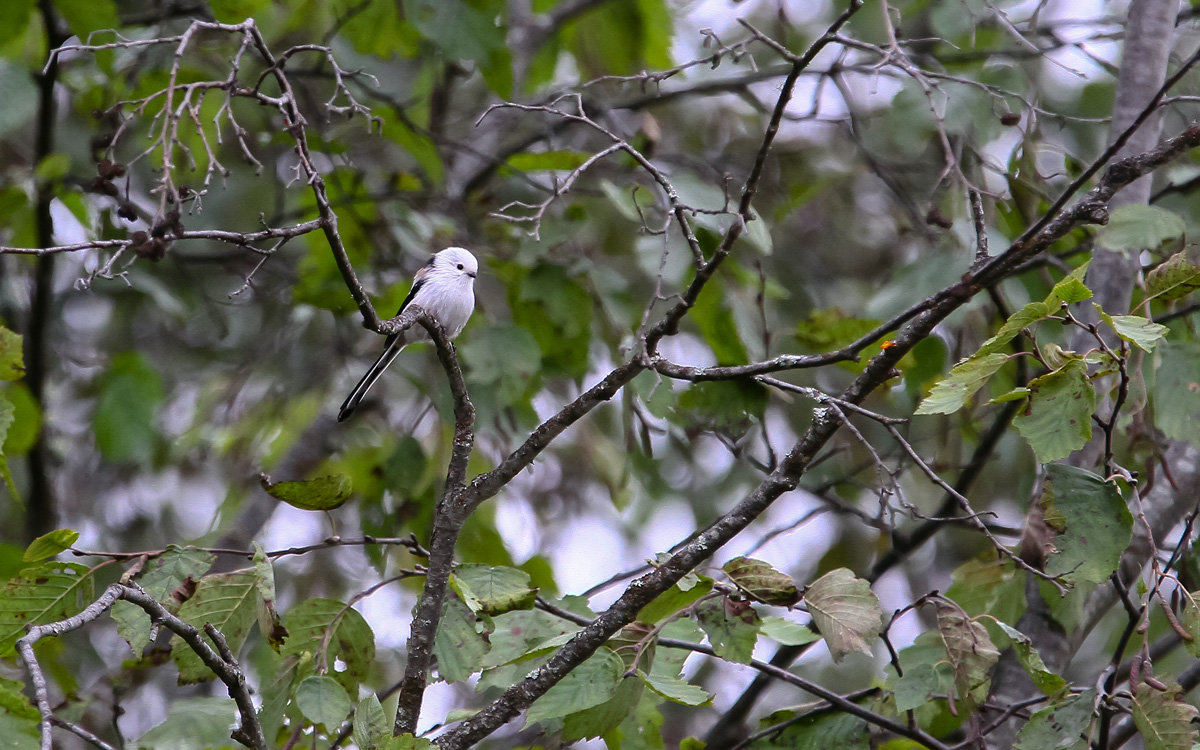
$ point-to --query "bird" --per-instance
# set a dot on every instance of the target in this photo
(445, 288)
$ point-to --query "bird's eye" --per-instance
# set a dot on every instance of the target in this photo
(460, 266)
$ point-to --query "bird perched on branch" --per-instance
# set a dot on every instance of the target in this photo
(445, 288)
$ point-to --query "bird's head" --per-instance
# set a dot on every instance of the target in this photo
(456, 261)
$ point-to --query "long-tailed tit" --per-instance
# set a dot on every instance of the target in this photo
(445, 288)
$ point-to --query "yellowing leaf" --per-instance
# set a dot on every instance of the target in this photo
(845, 611)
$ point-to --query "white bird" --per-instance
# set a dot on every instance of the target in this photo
(445, 288)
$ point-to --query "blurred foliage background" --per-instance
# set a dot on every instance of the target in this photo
(156, 392)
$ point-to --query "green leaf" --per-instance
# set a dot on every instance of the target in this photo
(1138, 227)
(1058, 418)
(193, 724)
(42, 593)
(323, 701)
(505, 356)
(229, 602)
(968, 376)
(591, 683)
(557, 310)
(1092, 522)
(26, 424)
(371, 725)
(787, 633)
(1139, 331)
(989, 585)
(130, 394)
(845, 611)
(236, 11)
(922, 683)
(676, 689)
(50, 544)
(497, 589)
(1164, 718)
(12, 357)
(1174, 278)
(820, 731)
(595, 721)
(321, 493)
(1177, 391)
(160, 579)
(1059, 725)
(14, 17)
(761, 582)
(86, 16)
(724, 405)
(1031, 661)
(6, 421)
(515, 634)
(314, 624)
(718, 327)
(536, 161)
(20, 97)
(731, 627)
(459, 644)
(970, 651)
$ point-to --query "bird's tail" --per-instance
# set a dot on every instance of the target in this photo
(368, 380)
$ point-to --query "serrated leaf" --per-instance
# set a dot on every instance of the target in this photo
(676, 689)
(1058, 726)
(1164, 718)
(1092, 522)
(1138, 227)
(845, 611)
(1135, 329)
(42, 593)
(496, 589)
(787, 633)
(458, 645)
(229, 602)
(12, 357)
(314, 624)
(1174, 278)
(160, 578)
(371, 726)
(591, 683)
(50, 544)
(969, 649)
(1058, 418)
(964, 379)
(323, 701)
(731, 627)
(1031, 661)
(761, 582)
(321, 493)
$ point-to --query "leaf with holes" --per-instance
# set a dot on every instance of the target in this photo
(731, 627)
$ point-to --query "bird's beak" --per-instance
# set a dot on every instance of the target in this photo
(472, 275)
